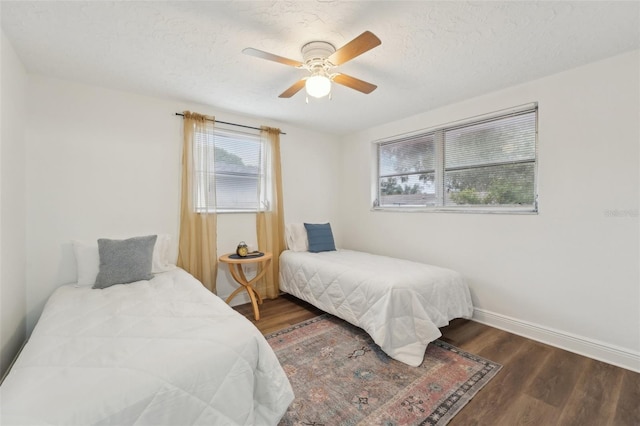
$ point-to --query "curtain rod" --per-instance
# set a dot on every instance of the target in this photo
(232, 124)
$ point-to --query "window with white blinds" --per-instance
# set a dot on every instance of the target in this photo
(486, 164)
(233, 178)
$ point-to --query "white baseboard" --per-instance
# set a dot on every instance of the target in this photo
(581, 345)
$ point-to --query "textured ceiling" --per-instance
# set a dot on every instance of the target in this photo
(432, 53)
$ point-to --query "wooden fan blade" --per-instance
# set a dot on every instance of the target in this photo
(356, 47)
(354, 83)
(295, 88)
(271, 57)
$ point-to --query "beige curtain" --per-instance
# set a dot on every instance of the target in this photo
(270, 219)
(197, 246)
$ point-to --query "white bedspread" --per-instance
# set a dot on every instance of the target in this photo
(399, 303)
(159, 352)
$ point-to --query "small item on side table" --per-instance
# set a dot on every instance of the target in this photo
(235, 263)
(242, 249)
(250, 255)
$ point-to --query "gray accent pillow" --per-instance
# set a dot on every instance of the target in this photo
(125, 261)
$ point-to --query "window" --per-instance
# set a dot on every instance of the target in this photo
(485, 164)
(231, 177)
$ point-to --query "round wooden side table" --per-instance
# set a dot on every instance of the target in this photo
(235, 267)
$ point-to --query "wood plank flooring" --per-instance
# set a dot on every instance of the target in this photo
(539, 385)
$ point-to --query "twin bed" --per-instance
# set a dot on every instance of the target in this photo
(167, 351)
(399, 303)
(164, 351)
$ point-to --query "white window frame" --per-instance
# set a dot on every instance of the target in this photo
(262, 195)
(438, 133)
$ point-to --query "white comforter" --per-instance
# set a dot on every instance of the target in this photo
(159, 352)
(399, 303)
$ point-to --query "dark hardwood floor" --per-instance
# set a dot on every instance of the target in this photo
(539, 385)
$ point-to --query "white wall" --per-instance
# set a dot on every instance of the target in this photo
(12, 204)
(569, 275)
(107, 163)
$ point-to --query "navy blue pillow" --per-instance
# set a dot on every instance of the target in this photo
(320, 237)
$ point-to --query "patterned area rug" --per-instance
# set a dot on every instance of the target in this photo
(340, 377)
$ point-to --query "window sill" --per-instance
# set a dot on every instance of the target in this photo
(464, 210)
(231, 211)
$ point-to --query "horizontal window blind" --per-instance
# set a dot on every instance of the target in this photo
(501, 140)
(231, 176)
(492, 162)
(487, 163)
(407, 171)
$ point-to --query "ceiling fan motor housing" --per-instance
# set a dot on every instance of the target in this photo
(316, 53)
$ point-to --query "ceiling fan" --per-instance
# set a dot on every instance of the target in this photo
(320, 58)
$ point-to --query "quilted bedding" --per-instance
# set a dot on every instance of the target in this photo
(159, 352)
(399, 303)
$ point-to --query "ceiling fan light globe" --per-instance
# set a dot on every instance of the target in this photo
(318, 86)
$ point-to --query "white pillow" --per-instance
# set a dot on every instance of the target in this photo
(87, 263)
(88, 259)
(161, 253)
(296, 236)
